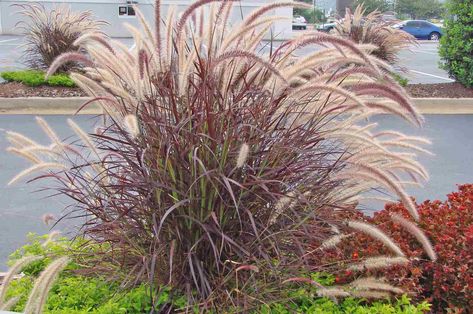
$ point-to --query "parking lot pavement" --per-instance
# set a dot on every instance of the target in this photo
(421, 63)
(21, 209)
(10, 52)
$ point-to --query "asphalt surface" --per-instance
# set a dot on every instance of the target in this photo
(420, 64)
(22, 206)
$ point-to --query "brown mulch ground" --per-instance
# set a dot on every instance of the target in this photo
(443, 90)
(14, 89)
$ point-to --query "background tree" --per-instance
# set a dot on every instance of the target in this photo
(417, 9)
(456, 47)
(313, 15)
(373, 5)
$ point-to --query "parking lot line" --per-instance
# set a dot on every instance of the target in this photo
(7, 40)
(430, 52)
(432, 75)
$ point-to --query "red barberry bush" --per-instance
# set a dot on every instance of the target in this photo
(446, 282)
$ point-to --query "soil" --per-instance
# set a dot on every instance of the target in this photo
(443, 90)
(14, 89)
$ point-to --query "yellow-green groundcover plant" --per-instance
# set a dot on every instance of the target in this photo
(73, 293)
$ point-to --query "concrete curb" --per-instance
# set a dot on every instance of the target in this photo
(69, 105)
(46, 105)
(444, 105)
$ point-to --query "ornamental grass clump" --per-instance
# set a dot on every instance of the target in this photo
(217, 165)
(372, 29)
(50, 33)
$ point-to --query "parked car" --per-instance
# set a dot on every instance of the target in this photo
(299, 22)
(326, 28)
(421, 29)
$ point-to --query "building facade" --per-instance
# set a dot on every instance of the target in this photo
(118, 12)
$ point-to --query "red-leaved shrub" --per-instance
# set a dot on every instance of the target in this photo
(448, 282)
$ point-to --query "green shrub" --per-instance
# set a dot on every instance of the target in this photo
(456, 46)
(74, 293)
(78, 294)
(309, 305)
(400, 79)
(37, 78)
(61, 80)
(306, 301)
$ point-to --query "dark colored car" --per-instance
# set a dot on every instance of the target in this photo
(421, 29)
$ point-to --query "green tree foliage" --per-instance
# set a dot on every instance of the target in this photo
(417, 9)
(373, 5)
(314, 15)
(311, 15)
(456, 47)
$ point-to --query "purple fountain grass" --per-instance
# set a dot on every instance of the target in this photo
(210, 158)
(372, 29)
(50, 33)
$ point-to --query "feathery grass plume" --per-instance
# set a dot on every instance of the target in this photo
(386, 179)
(96, 38)
(48, 218)
(68, 58)
(52, 236)
(25, 154)
(9, 303)
(242, 155)
(38, 167)
(334, 241)
(418, 234)
(284, 203)
(83, 136)
(379, 262)
(40, 291)
(377, 234)
(370, 28)
(47, 129)
(52, 32)
(173, 208)
(332, 292)
(15, 269)
(371, 283)
(131, 124)
(19, 140)
(370, 294)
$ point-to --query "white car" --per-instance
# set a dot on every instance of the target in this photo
(299, 23)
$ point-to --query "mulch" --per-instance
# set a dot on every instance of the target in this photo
(14, 89)
(443, 90)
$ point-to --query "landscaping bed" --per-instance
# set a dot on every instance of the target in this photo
(442, 90)
(15, 89)
(33, 83)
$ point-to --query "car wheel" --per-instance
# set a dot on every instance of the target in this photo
(434, 36)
